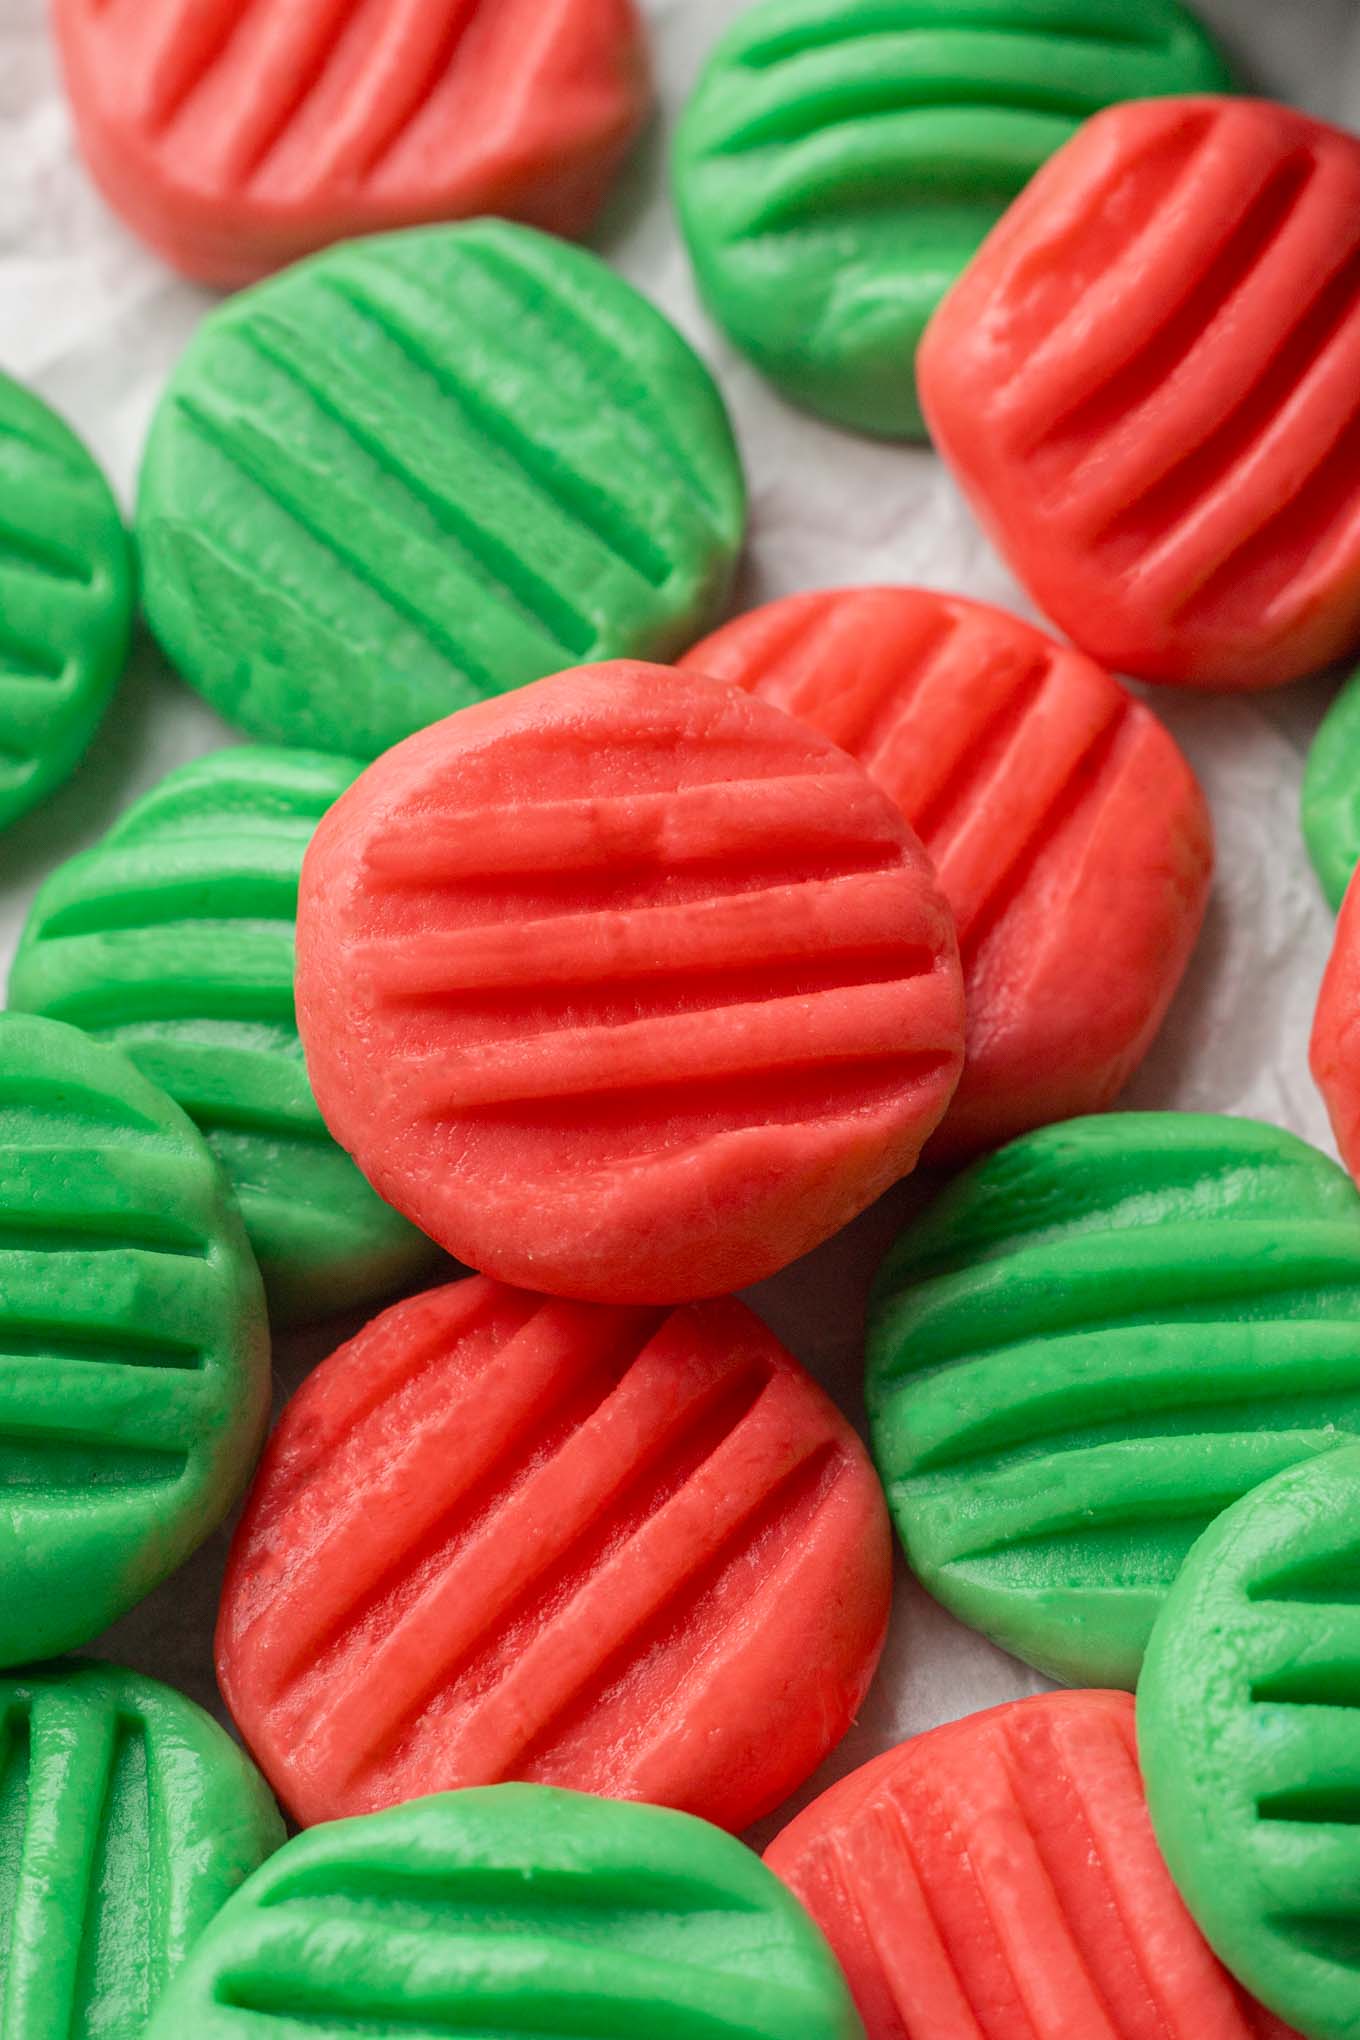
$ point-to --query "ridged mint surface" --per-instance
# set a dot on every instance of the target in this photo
(127, 1819)
(1095, 1341)
(511, 1911)
(66, 593)
(1331, 794)
(173, 940)
(425, 468)
(134, 1357)
(1247, 1730)
(842, 160)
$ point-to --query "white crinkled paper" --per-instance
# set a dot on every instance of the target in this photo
(94, 322)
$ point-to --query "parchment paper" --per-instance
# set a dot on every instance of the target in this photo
(94, 322)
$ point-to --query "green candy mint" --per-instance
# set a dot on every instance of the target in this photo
(1250, 1741)
(173, 939)
(842, 161)
(1331, 794)
(512, 1909)
(65, 600)
(134, 1358)
(127, 1819)
(1092, 1343)
(422, 469)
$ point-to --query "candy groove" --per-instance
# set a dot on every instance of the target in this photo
(690, 954)
(514, 1910)
(644, 1476)
(498, 460)
(838, 165)
(877, 716)
(1246, 1720)
(126, 1819)
(1128, 436)
(173, 940)
(877, 728)
(1066, 829)
(1095, 1342)
(1162, 511)
(112, 1780)
(133, 1362)
(65, 599)
(1007, 1861)
(237, 138)
(223, 48)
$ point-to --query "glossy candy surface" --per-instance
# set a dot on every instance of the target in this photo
(500, 1536)
(65, 599)
(173, 939)
(235, 139)
(422, 469)
(127, 1819)
(841, 161)
(1247, 1727)
(626, 986)
(1148, 384)
(514, 1910)
(997, 1879)
(1092, 1343)
(1334, 1052)
(134, 1359)
(1067, 831)
(1331, 794)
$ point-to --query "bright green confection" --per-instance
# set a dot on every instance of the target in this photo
(842, 161)
(127, 1819)
(173, 939)
(1250, 1742)
(134, 1357)
(512, 1909)
(66, 594)
(1331, 794)
(1092, 1343)
(425, 468)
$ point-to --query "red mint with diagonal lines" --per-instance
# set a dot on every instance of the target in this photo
(1148, 384)
(500, 1536)
(998, 1879)
(1067, 831)
(238, 135)
(626, 986)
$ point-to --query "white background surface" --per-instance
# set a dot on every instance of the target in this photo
(94, 322)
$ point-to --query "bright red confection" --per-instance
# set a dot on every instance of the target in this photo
(1335, 1049)
(1068, 832)
(235, 137)
(1148, 384)
(998, 1880)
(625, 985)
(499, 1536)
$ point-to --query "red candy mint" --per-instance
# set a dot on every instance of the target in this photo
(625, 985)
(235, 137)
(499, 1536)
(1067, 831)
(1148, 383)
(998, 1880)
(1335, 1049)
